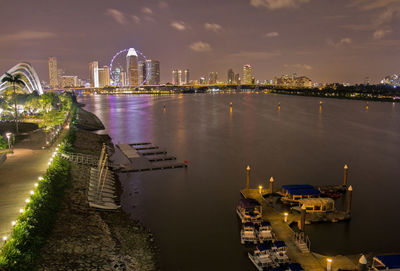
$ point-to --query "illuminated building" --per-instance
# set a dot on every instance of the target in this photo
(104, 76)
(247, 75)
(212, 77)
(153, 72)
(142, 72)
(186, 78)
(94, 74)
(69, 81)
(122, 78)
(53, 75)
(237, 79)
(132, 67)
(175, 77)
(231, 76)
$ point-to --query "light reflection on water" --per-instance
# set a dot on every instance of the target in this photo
(191, 211)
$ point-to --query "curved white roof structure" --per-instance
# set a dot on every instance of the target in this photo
(29, 76)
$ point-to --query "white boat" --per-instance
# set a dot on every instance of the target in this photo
(265, 232)
(248, 234)
(249, 210)
(262, 258)
(279, 252)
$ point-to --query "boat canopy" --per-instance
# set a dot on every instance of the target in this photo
(249, 224)
(265, 224)
(248, 203)
(295, 267)
(389, 261)
(297, 186)
(302, 192)
(263, 247)
(279, 244)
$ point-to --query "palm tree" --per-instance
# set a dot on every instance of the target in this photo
(15, 80)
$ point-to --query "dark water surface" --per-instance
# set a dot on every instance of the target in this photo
(191, 212)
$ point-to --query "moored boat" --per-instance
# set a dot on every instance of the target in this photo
(292, 194)
(248, 234)
(262, 258)
(249, 210)
(265, 232)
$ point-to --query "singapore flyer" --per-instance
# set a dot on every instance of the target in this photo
(126, 68)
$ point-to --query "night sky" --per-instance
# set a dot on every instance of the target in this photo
(327, 40)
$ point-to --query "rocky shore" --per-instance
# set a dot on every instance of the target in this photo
(88, 121)
(87, 239)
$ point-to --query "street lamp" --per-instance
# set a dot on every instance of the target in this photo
(260, 189)
(285, 216)
(8, 135)
(329, 264)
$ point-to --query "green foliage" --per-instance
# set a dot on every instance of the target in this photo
(69, 139)
(36, 222)
(3, 143)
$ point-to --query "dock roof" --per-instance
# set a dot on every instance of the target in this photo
(390, 261)
(306, 191)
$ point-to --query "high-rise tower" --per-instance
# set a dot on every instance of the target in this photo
(53, 72)
(247, 74)
(132, 68)
(94, 74)
(231, 76)
(153, 72)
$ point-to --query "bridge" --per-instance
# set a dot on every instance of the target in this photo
(168, 88)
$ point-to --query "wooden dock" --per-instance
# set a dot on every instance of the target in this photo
(308, 260)
(145, 156)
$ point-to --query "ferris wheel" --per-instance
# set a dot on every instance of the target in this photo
(119, 67)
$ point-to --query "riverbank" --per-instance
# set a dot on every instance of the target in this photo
(87, 239)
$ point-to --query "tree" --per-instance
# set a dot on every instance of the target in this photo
(15, 80)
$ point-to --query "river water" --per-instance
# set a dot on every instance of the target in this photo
(192, 211)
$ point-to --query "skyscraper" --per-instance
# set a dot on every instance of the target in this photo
(246, 75)
(179, 77)
(175, 77)
(153, 72)
(213, 77)
(94, 74)
(53, 75)
(132, 67)
(231, 76)
(104, 76)
(186, 77)
(237, 79)
(143, 72)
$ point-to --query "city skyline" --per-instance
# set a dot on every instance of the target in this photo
(343, 41)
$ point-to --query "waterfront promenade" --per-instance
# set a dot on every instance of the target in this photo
(18, 176)
(309, 261)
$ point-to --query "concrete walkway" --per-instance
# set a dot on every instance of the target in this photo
(18, 176)
(309, 261)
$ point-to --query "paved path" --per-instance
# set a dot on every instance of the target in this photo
(18, 174)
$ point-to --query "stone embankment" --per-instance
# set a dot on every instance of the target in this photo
(87, 239)
(88, 121)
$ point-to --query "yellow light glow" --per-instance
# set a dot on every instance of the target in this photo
(329, 260)
(21, 211)
(40, 178)
(27, 200)
(13, 223)
(36, 184)
(285, 214)
(32, 192)
(4, 238)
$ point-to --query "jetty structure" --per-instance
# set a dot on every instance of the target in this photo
(297, 243)
(145, 156)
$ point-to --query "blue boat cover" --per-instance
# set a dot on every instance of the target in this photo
(295, 267)
(263, 247)
(279, 244)
(390, 261)
(297, 186)
(265, 224)
(249, 224)
(248, 203)
(309, 191)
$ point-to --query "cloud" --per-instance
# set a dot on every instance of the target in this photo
(271, 35)
(277, 4)
(117, 15)
(27, 35)
(255, 55)
(179, 25)
(135, 19)
(147, 11)
(162, 4)
(340, 43)
(213, 27)
(379, 34)
(200, 46)
(298, 66)
(373, 4)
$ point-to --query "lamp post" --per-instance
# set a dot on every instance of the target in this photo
(247, 177)
(285, 216)
(329, 264)
(8, 135)
(260, 189)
